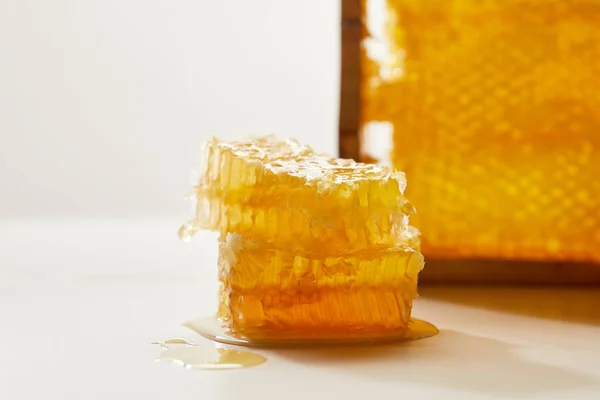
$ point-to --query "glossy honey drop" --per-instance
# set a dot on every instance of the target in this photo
(191, 356)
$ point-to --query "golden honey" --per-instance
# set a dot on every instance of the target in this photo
(493, 109)
(191, 356)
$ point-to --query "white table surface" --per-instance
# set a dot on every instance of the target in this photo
(80, 302)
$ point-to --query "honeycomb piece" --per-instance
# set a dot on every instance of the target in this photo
(278, 172)
(300, 230)
(278, 191)
(493, 109)
(268, 289)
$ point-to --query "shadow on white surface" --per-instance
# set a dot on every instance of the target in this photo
(453, 361)
(566, 304)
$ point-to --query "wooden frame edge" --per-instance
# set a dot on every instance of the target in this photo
(350, 98)
(509, 272)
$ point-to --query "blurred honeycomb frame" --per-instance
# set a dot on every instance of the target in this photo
(441, 266)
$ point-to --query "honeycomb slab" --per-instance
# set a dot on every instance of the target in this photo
(300, 229)
(267, 289)
(278, 190)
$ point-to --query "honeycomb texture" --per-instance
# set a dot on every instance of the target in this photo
(269, 189)
(269, 289)
(308, 243)
(494, 111)
(301, 230)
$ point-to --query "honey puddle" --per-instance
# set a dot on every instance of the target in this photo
(212, 329)
(190, 356)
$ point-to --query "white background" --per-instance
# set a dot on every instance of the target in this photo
(103, 104)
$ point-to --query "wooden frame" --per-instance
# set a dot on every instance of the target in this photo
(438, 271)
(349, 118)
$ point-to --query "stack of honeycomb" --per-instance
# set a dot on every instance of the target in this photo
(308, 244)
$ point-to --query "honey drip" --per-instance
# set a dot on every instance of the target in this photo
(213, 329)
(190, 356)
